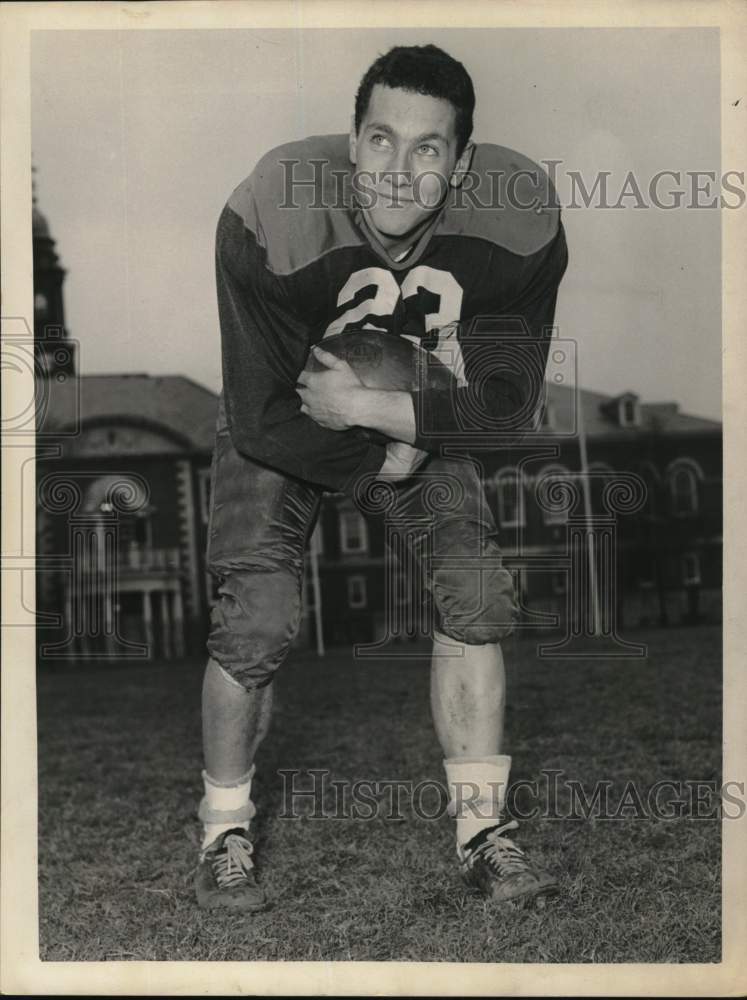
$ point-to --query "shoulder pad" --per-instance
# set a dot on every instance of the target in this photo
(294, 201)
(506, 199)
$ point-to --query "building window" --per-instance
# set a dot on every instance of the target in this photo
(353, 532)
(203, 487)
(628, 412)
(510, 499)
(683, 486)
(690, 569)
(357, 595)
(144, 532)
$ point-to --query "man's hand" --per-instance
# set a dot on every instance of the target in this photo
(401, 461)
(328, 397)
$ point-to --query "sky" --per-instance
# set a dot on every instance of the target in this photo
(139, 137)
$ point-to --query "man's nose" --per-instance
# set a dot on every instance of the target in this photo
(401, 169)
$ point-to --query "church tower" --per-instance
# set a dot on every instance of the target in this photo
(55, 354)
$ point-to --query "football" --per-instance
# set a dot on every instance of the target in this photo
(386, 361)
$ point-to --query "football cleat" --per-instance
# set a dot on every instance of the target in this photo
(226, 877)
(496, 866)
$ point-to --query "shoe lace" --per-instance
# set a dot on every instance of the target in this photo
(506, 857)
(232, 861)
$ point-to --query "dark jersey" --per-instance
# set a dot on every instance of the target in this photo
(297, 262)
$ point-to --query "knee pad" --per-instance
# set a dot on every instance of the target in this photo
(475, 597)
(254, 622)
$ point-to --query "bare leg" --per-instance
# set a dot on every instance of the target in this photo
(234, 723)
(467, 697)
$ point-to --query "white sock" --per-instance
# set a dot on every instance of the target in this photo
(224, 807)
(477, 792)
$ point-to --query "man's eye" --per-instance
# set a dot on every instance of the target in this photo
(427, 150)
(379, 140)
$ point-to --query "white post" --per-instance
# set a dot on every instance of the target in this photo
(597, 623)
(148, 622)
(166, 624)
(178, 624)
(317, 592)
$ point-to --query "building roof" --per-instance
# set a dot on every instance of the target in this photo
(187, 409)
(173, 402)
(600, 418)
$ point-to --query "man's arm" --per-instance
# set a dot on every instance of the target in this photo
(336, 398)
(264, 347)
(505, 360)
(505, 357)
(390, 412)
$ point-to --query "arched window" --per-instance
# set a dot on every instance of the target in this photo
(353, 532)
(683, 477)
(510, 498)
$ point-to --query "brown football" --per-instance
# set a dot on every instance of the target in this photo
(386, 361)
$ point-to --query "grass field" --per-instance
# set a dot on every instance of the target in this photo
(119, 782)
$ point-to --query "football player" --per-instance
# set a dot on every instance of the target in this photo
(405, 226)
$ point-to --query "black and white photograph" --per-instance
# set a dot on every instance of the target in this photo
(368, 385)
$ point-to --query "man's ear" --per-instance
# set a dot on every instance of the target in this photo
(462, 165)
(353, 141)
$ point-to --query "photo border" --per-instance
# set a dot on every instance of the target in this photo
(22, 971)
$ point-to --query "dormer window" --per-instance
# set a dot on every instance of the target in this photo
(628, 413)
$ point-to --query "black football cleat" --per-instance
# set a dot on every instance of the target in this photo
(500, 870)
(226, 876)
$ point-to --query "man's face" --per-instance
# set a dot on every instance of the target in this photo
(405, 153)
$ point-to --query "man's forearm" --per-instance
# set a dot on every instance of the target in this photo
(387, 411)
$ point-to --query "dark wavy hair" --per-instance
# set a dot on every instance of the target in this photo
(422, 69)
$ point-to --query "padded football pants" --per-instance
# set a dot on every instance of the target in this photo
(260, 521)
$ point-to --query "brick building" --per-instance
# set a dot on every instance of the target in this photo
(123, 479)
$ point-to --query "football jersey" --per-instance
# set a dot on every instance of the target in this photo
(296, 261)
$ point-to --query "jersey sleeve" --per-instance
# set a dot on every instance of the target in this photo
(264, 345)
(505, 356)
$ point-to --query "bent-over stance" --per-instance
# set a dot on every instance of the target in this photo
(407, 227)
